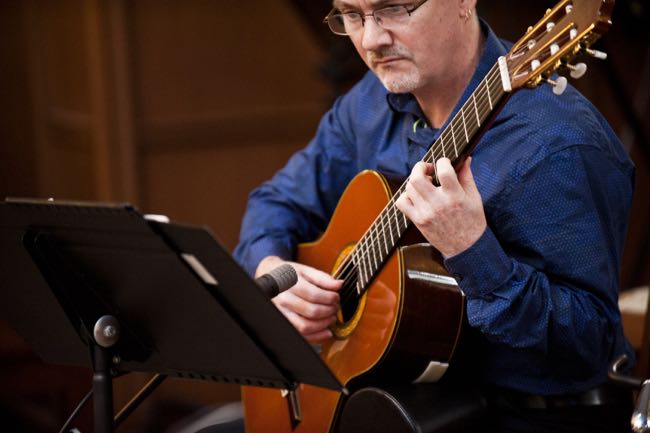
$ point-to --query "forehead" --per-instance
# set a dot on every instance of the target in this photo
(338, 4)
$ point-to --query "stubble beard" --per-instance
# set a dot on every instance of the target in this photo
(395, 80)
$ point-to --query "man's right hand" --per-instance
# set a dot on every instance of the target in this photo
(311, 304)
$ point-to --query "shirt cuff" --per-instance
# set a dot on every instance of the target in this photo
(482, 268)
(264, 247)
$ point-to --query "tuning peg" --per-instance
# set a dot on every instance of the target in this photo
(597, 54)
(555, 48)
(577, 70)
(559, 85)
(549, 26)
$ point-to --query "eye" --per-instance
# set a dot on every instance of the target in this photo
(350, 16)
(391, 11)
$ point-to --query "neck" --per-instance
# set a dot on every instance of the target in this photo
(439, 99)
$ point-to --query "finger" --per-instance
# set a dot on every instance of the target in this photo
(466, 178)
(447, 175)
(421, 179)
(312, 293)
(320, 278)
(423, 169)
(404, 203)
(309, 310)
(307, 326)
(318, 336)
(409, 201)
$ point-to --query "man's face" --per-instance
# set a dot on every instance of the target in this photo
(413, 55)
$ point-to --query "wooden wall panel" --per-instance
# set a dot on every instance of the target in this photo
(17, 155)
(210, 185)
(224, 95)
(68, 171)
(201, 56)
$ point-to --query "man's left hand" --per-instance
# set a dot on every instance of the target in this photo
(450, 216)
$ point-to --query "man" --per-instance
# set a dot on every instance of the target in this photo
(532, 225)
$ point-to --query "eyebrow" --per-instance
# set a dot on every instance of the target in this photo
(338, 4)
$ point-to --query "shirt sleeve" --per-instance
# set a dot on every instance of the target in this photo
(544, 274)
(296, 204)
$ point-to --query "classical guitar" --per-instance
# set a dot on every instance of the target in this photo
(401, 315)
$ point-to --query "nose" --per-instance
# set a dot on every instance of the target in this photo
(374, 36)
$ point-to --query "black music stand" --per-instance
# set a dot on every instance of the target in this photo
(99, 285)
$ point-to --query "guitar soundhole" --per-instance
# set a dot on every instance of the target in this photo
(349, 297)
(349, 308)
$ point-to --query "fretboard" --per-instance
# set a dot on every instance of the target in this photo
(455, 142)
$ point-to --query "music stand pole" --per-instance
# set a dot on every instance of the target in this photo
(106, 333)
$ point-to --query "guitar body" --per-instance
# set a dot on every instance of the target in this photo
(407, 312)
(411, 314)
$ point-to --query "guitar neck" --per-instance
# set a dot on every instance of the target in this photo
(455, 142)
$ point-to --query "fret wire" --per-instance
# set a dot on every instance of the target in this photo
(367, 260)
(369, 253)
(476, 109)
(373, 244)
(390, 227)
(462, 110)
(453, 136)
(363, 266)
(442, 144)
(374, 254)
(488, 94)
(489, 81)
(375, 238)
(356, 261)
(383, 232)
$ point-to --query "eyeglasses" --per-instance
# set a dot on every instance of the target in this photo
(388, 18)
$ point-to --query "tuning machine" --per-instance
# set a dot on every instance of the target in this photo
(577, 70)
(559, 84)
(600, 55)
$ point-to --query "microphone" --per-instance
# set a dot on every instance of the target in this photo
(278, 280)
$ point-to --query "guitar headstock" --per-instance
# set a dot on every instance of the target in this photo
(570, 27)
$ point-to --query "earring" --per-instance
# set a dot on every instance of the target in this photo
(468, 14)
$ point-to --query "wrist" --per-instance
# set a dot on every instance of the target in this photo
(267, 264)
(463, 242)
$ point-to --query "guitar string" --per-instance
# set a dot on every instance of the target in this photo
(373, 238)
(349, 270)
(346, 270)
(349, 285)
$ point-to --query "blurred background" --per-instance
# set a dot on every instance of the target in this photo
(182, 107)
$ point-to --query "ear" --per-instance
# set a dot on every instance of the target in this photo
(465, 5)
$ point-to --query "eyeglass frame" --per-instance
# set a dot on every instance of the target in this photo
(363, 17)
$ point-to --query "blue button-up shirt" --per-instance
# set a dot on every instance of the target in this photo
(542, 282)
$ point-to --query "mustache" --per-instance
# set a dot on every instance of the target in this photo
(386, 52)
